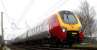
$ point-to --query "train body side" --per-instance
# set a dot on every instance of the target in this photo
(36, 33)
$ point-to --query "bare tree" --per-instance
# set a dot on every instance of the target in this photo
(86, 15)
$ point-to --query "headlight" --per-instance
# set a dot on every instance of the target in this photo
(63, 30)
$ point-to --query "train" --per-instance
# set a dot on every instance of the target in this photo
(63, 26)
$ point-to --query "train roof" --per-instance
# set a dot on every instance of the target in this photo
(65, 12)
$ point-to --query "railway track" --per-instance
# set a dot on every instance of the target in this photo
(44, 45)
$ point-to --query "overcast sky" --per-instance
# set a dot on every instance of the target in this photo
(21, 15)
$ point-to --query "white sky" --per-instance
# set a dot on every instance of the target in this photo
(20, 15)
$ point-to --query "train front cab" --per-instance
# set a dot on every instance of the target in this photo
(71, 26)
(66, 28)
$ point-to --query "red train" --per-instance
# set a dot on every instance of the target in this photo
(63, 27)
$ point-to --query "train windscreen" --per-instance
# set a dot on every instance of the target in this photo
(69, 18)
